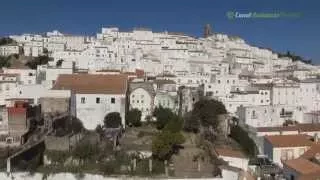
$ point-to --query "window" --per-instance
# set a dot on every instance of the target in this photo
(113, 100)
(142, 101)
(83, 100)
(98, 100)
(233, 81)
(219, 81)
(138, 101)
(261, 101)
(254, 116)
(132, 101)
(228, 81)
(209, 86)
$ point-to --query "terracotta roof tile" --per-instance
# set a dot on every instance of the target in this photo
(299, 127)
(303, 166)
(311, 153)
(289, 140)
(92, 83)
(275, 129)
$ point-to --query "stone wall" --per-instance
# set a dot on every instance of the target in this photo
(65, 143)
(70, 176)
(54, 105)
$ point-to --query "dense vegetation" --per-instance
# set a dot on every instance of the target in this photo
(6, 40)
(168, 141)
(295, 57)
(112, 120)
(59, 62)
(246, 143)
(204, 114)
(163, 116)
(67, 125)
(5, 61)
(40, 60)
(133, 118)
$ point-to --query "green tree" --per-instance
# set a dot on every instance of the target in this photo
(133, 117)
(246, 143)
(174, 125)
(164, 145)
(4, 61)
(45, 51)
(6, 40)
(59, 62)
(168, 141)
(99, 129)
(40, 60)
(112, 120)
(163, 115)
(207, 111)
(191, 124)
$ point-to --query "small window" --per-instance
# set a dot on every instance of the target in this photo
(98, 100)
(228, 81)
(83, 100)
(219, 81)
(142, 101)
(132, 101)
(113, 100)
(138, 101)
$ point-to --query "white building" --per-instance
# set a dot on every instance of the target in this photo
(234, 158)
(8, 85)
(6, 50)
(268, 115)
(26, 76)
(142, 98)
(280, 148)
(95, 96)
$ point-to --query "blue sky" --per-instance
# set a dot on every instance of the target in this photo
(299, 35)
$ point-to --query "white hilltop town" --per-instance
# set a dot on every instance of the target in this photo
(273, 97)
